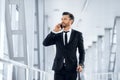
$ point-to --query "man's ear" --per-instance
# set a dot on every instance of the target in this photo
(72, 21)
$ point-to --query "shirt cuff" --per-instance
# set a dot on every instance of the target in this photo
(56, 32)
(82, 65)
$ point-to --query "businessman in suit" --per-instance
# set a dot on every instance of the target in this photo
(67, 41)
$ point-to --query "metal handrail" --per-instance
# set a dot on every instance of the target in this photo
(27, 67)
(112, 40)
(102, 76)
(9, 61)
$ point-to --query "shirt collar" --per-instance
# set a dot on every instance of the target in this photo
(69, 30)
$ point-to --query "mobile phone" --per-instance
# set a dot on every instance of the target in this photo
(61, 26)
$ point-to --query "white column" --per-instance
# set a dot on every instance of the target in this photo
(9, 72)
(2, 31)
(41, 30)
(106, 50)
(88, 60)
(2, 26)
(30, 23)
(99, 52)
(94, 57)
(46, 49)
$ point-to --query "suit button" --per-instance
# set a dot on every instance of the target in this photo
(64, 64)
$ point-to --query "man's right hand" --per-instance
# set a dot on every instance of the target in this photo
(57, 28)
(79, 68)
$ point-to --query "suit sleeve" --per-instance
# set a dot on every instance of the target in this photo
(50, 39)
(81, 50)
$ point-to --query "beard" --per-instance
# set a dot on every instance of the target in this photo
(64, 25)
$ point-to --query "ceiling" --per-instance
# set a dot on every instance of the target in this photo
(91, 16)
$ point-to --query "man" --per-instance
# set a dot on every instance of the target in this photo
(67, 41)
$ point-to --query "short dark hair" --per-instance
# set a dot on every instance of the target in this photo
(70, 15)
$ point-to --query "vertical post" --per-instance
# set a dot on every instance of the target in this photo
(106, 50)
(41, 34)
(2, 26)
(94, 52)
(9, 72)
(99, 52)
(27, 74)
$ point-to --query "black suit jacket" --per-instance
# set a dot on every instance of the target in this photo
(66, 51)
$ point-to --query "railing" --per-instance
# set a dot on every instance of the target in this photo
(113, 47)
(30, 72)
(102, 76)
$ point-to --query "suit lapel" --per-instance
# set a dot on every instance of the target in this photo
(61, 37)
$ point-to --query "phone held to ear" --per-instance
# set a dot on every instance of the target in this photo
(61, 26)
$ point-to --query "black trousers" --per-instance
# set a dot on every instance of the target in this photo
(63, 74)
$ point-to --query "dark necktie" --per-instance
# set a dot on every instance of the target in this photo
(66, 36)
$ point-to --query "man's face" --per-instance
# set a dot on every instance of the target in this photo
(66, 21)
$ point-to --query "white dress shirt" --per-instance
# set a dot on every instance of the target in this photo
(68, 36)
